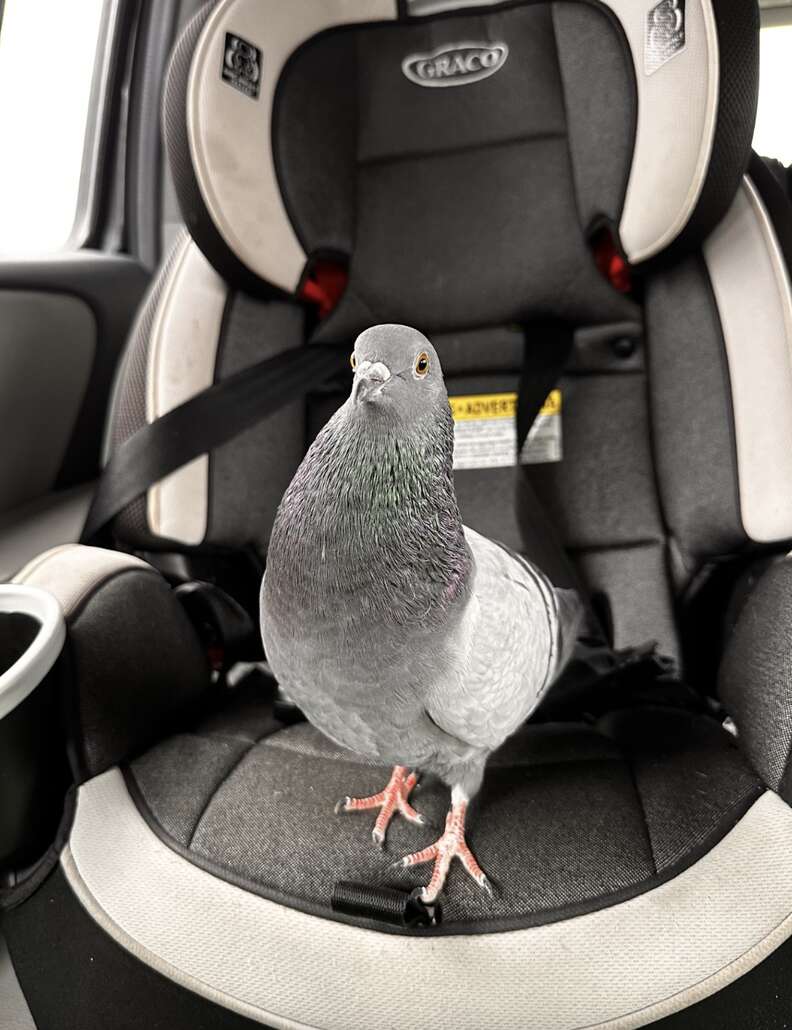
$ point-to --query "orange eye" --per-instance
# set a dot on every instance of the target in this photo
(353, 361)
(422, 364)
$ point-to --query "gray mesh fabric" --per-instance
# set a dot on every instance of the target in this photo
(756, 676)
(569, 814)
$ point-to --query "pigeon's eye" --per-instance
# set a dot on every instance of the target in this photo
(422, 364)
(353, 361)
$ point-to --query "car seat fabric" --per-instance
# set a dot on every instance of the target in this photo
(723, 319)
(646, 840)
(210, 793)
(189, 860)
(500, 183)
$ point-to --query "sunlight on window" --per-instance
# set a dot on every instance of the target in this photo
(47, 51)
(773, 133)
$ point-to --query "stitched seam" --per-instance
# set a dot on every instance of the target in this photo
(642, 810)
(420, 155)
(229, 773)
(630, 545)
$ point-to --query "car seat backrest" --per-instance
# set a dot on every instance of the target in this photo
(458, 167)
(722, 378)
(340, 121)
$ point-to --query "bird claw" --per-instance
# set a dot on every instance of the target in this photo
(389, 801)
(450, 844)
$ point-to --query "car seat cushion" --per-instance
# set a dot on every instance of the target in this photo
(254, 803)
(724, 319)
(547, 150)
(129, 906)
(755, 680)
(132, 661)
(193, 330)
(357, 54)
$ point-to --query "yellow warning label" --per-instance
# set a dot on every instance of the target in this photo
(552, 404)
(497, 405)
(485, 431)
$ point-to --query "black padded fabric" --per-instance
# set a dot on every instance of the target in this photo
(635, 581)
(570, 816)
(692, 413)
(491, 164)
(755, 678)
(603, 493)
(133, 664)
(602, 498)
(595, 68)
(248, 475)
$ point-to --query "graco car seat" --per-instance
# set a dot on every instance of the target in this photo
(487, 172)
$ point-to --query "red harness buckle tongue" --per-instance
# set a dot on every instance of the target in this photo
(610, 262)
(325, 285)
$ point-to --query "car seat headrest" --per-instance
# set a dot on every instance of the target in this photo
(658, 137)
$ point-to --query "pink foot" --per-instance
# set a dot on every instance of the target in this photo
(451, 844)
(389, 801)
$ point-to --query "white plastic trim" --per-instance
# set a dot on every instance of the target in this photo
(230, 134)
(752, 289)
(18, 682)
(181, 363)
(622, 967)
(677, 112)
(72, 572)
(14, 1011)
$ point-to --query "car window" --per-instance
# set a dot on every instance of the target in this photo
(773, 132)
(47, 57)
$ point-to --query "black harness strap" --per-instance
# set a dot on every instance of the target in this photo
(206, 421)
(227, 408)
(548, 348)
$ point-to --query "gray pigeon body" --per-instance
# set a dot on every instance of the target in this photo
(402, 634)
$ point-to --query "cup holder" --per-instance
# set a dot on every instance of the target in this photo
(32, 631)
(33, 773)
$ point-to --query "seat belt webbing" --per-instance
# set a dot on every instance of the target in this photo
(229, 407)
(547, 353)
(206, 421)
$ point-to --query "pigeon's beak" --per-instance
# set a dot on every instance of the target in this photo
(370, 377)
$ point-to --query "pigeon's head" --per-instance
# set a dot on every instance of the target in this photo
(397, 373)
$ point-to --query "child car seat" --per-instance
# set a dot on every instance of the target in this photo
(472, 169)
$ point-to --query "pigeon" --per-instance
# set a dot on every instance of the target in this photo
(403, 635)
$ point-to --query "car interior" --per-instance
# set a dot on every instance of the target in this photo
(595, 187)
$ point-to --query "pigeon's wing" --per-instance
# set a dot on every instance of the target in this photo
(508, 644)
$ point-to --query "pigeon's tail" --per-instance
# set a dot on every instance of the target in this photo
(571, 613)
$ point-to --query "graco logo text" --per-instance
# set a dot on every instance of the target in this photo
(455, 64)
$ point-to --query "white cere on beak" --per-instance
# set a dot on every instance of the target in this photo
(373, 370)
(370, 376)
